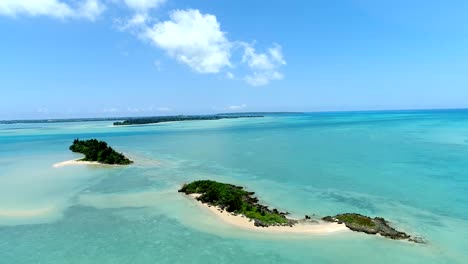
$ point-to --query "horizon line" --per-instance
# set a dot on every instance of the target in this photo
(82, 119)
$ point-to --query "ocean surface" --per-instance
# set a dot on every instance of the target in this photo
(410, 167)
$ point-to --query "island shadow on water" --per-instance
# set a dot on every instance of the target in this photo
(233, 201)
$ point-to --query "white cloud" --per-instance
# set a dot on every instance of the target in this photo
(141, 110)
(263, 77)
(194, 39)
(236, 107)
(189, 36)
(42, 110)
(133, 110)
(110, 110)
(89, 9)
(164, 109)
(264, 66)
(230, 76)
(141, 17)
(143, 5)
(158, 65)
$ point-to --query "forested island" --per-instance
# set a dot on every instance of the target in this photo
(99, 151)
(236, 200)
(162, 119)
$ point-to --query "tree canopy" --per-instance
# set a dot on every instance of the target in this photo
(95, 150)
(234, 199)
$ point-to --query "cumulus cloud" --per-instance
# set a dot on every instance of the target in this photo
(88, 9)
(194, 39)
(264, 66)
(189, 36)
(236, 107)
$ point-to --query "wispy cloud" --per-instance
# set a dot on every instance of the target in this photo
(88, 9)
(264, 66)
(142, 6)
(42, 110)
(164, 109)
(135, 110)
(158, 65)
(110, 110)
(236, 107)
(230, 75)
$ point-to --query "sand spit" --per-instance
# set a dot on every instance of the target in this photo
(245, 223)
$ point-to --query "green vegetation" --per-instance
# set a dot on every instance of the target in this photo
(99, 151)
(234, 199)
(356, 219)
(239, 201)
(162, 119)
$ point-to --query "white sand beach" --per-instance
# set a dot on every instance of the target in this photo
(248, 224)
(75, 163)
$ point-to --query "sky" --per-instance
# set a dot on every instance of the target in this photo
(106, 58)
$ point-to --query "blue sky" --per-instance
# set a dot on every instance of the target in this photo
(98, 58)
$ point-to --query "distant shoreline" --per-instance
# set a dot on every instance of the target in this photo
(242, 222)
(179, 118)
(123, 118)
(354, 111)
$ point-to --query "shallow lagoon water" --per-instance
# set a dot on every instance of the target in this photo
(410, 167)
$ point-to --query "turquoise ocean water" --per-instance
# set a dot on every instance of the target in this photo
(410, 167)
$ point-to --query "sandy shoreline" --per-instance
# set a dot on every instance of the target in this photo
(75, 163)
(247, 224)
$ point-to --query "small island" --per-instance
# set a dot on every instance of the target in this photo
(162, 119)
(98, 151)
(373, 226)
(237, 201)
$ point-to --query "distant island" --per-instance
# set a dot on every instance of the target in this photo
(162, 119)
(96, 119)
(237, 201)
(98, 151)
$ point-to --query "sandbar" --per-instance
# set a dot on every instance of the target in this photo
(75, 163)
